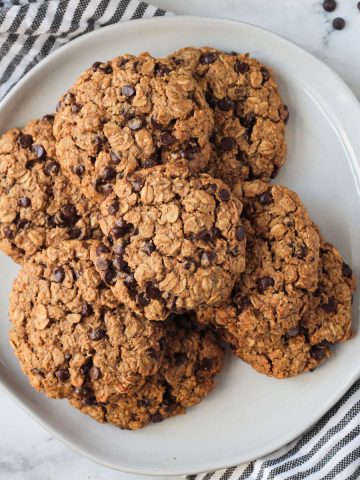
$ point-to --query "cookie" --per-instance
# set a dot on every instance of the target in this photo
(71, 335)
(281, 353)
(176, 241)
(249, 138)
(132, 112)
(38, 205)
(193, 357)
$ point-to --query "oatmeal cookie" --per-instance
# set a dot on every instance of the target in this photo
(132, 112)
(71, 335)
(38, 205)
(249, 139)
(281, 353)
(193, 356)
(176, 241)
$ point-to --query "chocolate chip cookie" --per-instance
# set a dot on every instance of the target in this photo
(38, 205)
(283, 353)
(193, 356)
(175, 241)
(132, 112)
(249, 138)
(70, 334)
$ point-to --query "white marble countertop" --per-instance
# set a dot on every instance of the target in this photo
(38, 456)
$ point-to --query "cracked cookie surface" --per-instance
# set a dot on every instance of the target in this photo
(38, 205)
(192, 358)
(72, 336)
(176, 241)
(130, 113)
(286, 353)
(249, 138)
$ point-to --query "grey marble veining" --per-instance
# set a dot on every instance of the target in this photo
(27, 452)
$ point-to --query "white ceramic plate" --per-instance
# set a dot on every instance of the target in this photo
(248, 415)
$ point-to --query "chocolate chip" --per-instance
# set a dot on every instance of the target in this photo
(206, 364)
(157, 418)
(39, 151)
(119, 249)
(224, 195)
(115, 158)
(203, 235)
(274, 173)
(338, 23)
(51, 221)
(286, 114)
(59, 275)
(62, 374)
(24, 202)
(227, 144)
(79, 170)
(152, 291)
(76, 107)
(29, 165)
(74, 232)
(68, 214)
(265, 74)
(136, 124)
(97, 334)
(241, 67)
(108, 174)
(167, 139)
(180, 358)
(113, 207)
(149, 247)
(102, 248)
(48, 118)
(318, 352)
(212, 188)
(293, 332)
(130, 281)
(128, 91)
(248, 121)
(301, 252)
(37, 371)
(211, 100)
(143, 403)
(149, 163)
(108, 69)
(329, 5)
(264, 283)
(265, 198)
(119, 263)
(8, 233)
(207, 58)
(155, 124)
(161, 70)
(95, 66)
(110, 277)
(22, 223)
(51, 168)
(208, 257)
(330, 306)
(240, 233)
(25, 141)
(121, 229)
(86, 309)
(142, 300)
(89, 401)
(137, 184)
(102, 264)
(189, 153)
(346, 270)
(226, 104)
(95, 373)
(358, 5)
(106, 189)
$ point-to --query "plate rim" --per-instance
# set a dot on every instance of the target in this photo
(166, 470)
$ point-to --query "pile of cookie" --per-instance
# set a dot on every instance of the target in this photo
(150, 237)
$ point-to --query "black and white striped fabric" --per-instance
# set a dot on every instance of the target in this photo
(29, 31)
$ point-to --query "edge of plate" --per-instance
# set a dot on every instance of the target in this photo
(172, 470)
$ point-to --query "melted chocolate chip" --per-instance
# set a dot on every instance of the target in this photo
(142, 300)
(152, 291)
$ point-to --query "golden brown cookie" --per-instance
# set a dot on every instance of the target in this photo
(71, 335)
(193, 357)
(249, 138)
(38, 205)
(176, 241)
(130, 113)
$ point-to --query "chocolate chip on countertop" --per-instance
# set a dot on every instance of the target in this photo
(338, 23)
(329, 5)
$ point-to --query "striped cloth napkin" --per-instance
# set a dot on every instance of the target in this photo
(29, 31)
